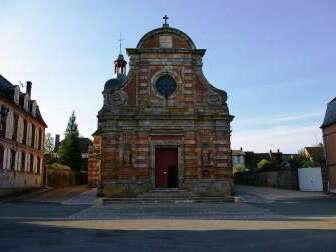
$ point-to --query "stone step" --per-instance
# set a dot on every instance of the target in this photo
(108, 201)
(167, 195)
(168, 190)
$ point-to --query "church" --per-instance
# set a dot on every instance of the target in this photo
(162, 124)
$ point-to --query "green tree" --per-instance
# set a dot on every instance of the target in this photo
(266, 165)
(261, 165)
(303, 160)
(48, 143)
(70, 153)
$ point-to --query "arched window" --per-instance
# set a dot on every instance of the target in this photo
(23, 161)
(15, 127)
(38, 165)
(40, 139)
(31, 169)
(1, 157)
(32, 136)
(24, 139)
(12, 160)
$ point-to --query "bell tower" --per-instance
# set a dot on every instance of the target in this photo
(120, 63)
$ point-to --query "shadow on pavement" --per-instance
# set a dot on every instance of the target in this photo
(17, 236)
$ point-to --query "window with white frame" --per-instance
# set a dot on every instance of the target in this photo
(20, 130)
(26, 102)
(13, 155)
(34, 107)
(2, 156)
(10, 124)
(37, 136)
(34, 165)
(27, 162)
(7, 158)
(23, 161)
(29, 134)
(17, 161)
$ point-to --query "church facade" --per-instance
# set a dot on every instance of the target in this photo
(163, 125)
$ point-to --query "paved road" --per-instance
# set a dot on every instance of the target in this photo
(264, 222)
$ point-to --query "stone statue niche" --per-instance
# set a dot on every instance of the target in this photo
(206, 157)
(127, 156)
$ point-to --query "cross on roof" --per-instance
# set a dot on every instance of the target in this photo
(120, 39)
(165, 17)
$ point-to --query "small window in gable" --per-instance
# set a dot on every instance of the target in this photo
(34, 106)
(17, 95)
(26, 102)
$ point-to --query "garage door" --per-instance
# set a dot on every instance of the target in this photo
(310, 179)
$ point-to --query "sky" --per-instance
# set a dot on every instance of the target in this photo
(275, 59)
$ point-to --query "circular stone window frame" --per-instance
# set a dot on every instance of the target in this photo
(160, 74)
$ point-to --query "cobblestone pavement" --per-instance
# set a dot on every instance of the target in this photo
(257, 224)
(255, 194)
(58, 195)
(179, 210)
(85, 198)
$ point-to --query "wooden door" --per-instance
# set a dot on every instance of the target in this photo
(164, 158)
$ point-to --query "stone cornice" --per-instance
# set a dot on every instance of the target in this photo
(132, 51)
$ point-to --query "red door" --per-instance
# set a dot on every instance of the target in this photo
(165, 159)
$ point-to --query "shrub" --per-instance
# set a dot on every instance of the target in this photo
(59, 175)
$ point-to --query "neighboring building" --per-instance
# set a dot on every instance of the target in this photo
(238, 160)
(162, 125)
(314, 154)
(252, 159)
(21, 137)
(85, 145)
(329, 138)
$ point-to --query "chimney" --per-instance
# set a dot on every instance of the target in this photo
(29, 88)
(57, 141)
(278, 150)
(241, 148)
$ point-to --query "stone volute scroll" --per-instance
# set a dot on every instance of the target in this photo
(117, 98)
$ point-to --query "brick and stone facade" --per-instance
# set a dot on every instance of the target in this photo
(329, 137)
(21, 138)
(164, 103)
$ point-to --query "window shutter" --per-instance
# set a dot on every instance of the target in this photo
(20, 130)
(29, 134)
(9, 125)
(9, 159)
(27, 162)
(5, 159)
(18, 164)
(36, 138)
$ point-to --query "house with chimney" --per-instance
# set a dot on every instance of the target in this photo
(21, 137)
(85, 145)
(329, 137)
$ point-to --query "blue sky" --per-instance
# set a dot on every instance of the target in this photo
(276, 59)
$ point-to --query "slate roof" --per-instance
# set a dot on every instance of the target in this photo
(7, 92)
(330, 115)
(115, 83)
(6, 88)
(238, 152)
(84, 144)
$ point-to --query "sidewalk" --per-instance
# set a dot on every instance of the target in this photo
(268, 194)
